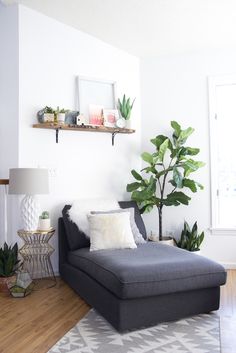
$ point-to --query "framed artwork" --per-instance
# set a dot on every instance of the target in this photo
(94, 93)
(95, 114)
(110, 117)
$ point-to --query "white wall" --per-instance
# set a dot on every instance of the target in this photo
(9, 94)
(175, 88)
(86, 165)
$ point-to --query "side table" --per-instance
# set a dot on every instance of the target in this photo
(36, 253)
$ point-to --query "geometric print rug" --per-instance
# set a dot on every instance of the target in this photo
(93, 334)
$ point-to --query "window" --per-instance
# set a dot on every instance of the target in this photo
(222, 110)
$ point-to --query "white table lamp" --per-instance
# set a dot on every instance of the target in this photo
(29, 182)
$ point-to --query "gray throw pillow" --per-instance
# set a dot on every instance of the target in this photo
(138, 238)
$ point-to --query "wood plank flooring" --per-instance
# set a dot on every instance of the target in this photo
(35, 323)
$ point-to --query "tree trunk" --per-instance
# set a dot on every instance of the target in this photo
(160, 222)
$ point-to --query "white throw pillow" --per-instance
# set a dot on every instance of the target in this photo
(110, 231)
(81, 208)
(138, 238)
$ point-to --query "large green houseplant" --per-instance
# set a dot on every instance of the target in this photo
(171, 162)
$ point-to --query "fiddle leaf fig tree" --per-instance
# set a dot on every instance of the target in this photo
(167, 174)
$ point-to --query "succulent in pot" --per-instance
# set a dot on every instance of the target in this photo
(49, 115)
(61, 115)
(9, 264)
(125, 108)
(190, 239)
(44, 221)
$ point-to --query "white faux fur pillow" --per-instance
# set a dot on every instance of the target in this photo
(81, 208)
(110, 231)
(138, 238)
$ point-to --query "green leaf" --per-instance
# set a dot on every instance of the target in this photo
(146, 193)
(191, 166)
(147, 206)
(162, 149)
(177, 177)
(150, 170)
(158, 140)
(189, 151)
(147, 157)
(172, 182)
(176, 198)
(191, 184)
(133, 186)
(176, 127)
(201, 187)
(184, 135)
(136, 175)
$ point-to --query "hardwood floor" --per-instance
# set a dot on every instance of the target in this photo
(35, 323)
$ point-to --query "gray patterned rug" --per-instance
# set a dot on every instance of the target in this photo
(93, 334)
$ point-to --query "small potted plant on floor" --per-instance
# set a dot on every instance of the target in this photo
(125, 108)
(190, 239)
(9, 264)
(44, 221)
(171, 163)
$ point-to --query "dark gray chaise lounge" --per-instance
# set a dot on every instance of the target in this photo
(138, 287)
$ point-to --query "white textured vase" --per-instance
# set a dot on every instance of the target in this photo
(30, 212)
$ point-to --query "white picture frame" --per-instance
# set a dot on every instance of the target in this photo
(96, 92)
(110, 117)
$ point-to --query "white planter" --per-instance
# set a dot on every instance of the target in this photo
(165, 240)
(61, 118)
(44, 224)
(128, 124)
(48, 117)
(198, 252)
(121, 123)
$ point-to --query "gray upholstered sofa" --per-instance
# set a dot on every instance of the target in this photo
(138, 287)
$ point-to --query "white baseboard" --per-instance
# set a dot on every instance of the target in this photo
(229, 265)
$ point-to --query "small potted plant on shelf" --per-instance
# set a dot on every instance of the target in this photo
(190, 239)
(61, 115)
(48, 115)
(44, 221)
(9, 264)
(125, 108)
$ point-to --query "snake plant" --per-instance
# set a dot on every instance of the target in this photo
(125, 107)
(8, 260)
(190, 239)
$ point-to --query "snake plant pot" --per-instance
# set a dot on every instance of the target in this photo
(121, 123)
(61, 118)
(44, 224)
(5, 283)
(197, 252)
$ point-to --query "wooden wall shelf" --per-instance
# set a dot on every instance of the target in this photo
(86, 128)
